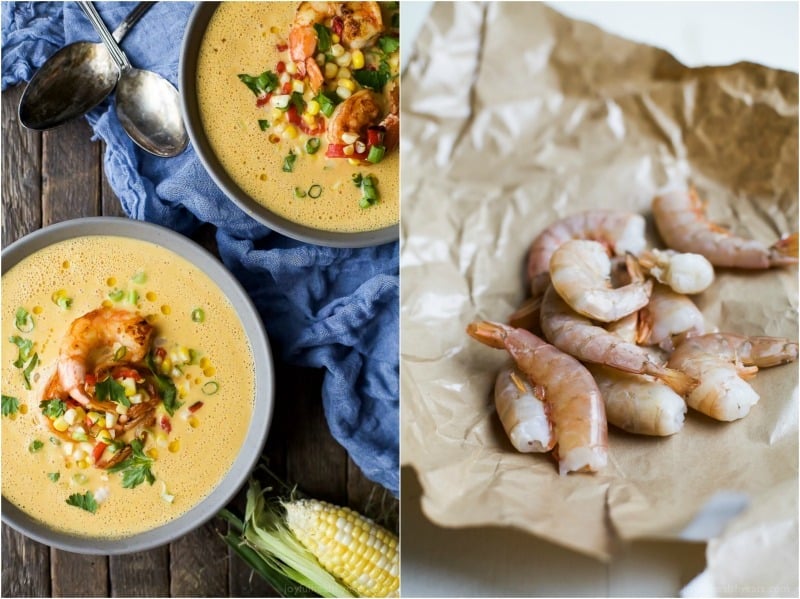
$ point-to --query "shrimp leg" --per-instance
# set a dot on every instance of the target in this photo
(572, 397)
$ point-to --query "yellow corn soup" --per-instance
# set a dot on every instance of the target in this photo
(37, 474)
(243, 38)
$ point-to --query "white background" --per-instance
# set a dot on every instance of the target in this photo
(504, 562)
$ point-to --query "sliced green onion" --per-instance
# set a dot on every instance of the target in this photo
(120, 353)
(198, 315)
(326, 104)
(388, 44)
(23, 320)
(79, 478)
(26, 374)
(369, 192)
(116, 295)
(55, 441)
(54, 476)
(315, 191)
(139, 278)
(288, 162)
(263, 124)
(35, 446)
(133, 296)
(61, 300)
(193, 356)
(312, 145)
(376, 154)
(211, 387)
(299, 193)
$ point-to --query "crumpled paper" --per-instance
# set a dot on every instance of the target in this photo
(514, 116)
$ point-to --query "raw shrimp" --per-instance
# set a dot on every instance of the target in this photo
(523, 412)
(580, 272)
(357, 24)
(573, 400)
(621, 231)
(681, 221)
(682, 272)
(667, 315)
(92, 341)
(577, 336)
(721, 361)
(638, 403)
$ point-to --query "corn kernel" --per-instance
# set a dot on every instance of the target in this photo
(121, 409)
(166, 366)
(150, 296)
(320, 59)
(348, 150)
(344, 73)
(60, 424)
(344, 60)
(335, 38)
(23, 409)
(153, 453)
(298, 86)
(136, 398)
(129, 385)
(394, 61)
(183, 354)
(354, 161)
(343, 92)
(174, 446)
(361, 147)
(104, 437)
(78, 454)
(347, 83)
(312, 108)
(358, 59)
(68, 447)
(309, 119)
(193, 421)
(290, 132)
(94, 417)
(276, 114)
(291, 68)
(111, 419)
(331, 70)
(82, 464)
(349, 138)
(161, 439)
(337, 50)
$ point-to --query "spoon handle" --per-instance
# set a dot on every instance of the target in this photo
(117, 55)
(137, 13)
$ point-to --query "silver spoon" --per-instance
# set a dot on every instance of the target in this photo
(73, 80)
(148, 106)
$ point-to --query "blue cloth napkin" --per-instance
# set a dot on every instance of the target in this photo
(335, 309)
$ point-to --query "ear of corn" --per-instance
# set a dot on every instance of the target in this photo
(353, 548)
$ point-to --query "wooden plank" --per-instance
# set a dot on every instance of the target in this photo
(371, 499)
(109, 201)
(70, 173)
(71, 188)
(199, 562)
(140, 574)
(21, 185)
(26, 566)
(76, 575)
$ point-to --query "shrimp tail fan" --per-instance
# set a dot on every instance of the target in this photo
(488, 333)
(785, 251)
(678, 381)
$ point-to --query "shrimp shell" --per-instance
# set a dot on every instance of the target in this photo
(576, 407)
(522, 412)
(577, 336)
(681, 221)
(638, 403)
(721, 361)
(580, 271)
(621, 231)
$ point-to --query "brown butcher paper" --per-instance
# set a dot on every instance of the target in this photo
(515, 116)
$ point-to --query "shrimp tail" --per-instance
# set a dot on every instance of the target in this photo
(635, 271)
(676, 380)
(784, 251)
(644, 325)
(488, 333)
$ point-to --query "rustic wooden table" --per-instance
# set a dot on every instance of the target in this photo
(58, 175)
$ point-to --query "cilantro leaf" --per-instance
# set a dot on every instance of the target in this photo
(263, 124)
(85, 501)
(23, 320)
(136, 469)
(375, 80)
(54, 476)
(298, 102)
(35, 446)
(323, 37)
(166, 388)
(113, 390)
(53, 408)
(25, 346)
(10, 405)
(260, 84)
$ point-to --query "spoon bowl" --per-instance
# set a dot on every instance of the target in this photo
(73, 80)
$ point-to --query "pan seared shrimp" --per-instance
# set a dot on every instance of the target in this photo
(638, 403)
(522, 412)
(721, 361)
(680, 219)
(621, 231)
(359, 24)
(577, 336)
(572, 397)
(358, 113)
(92, 341)
(580, 271)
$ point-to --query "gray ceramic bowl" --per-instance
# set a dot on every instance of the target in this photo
(262, 412)
(193, 37)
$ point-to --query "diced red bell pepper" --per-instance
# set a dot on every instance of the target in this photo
(337, 151)
(195, 406)
(98, 450)
(287, 88)
(91, 380)
(296, 119)
(337, 25)
(282, 47)
(263, 100)
(166, 425)
(280, 67)
(375, 136)
(124, 372)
